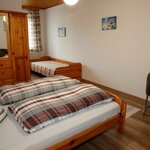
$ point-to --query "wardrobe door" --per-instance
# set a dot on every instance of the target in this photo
(19, 46)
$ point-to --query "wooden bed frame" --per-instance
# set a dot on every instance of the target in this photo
(74, 70)
(94, 130)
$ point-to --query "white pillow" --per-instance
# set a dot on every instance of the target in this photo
(3, 113)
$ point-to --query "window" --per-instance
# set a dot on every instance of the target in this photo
(34, 29)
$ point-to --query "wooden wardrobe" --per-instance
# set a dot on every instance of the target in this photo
(14, 66)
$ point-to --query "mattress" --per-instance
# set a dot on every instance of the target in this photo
(13, 137)
(46, 68)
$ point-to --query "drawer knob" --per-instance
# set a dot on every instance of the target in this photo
(2, 73)
(1, 65)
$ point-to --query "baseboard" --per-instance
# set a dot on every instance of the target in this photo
(123, 95)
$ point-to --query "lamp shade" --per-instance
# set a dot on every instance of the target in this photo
(71, 2)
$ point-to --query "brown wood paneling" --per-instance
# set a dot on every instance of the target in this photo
(40, 4)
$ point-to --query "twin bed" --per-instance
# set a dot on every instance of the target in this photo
(56, 113)
(48, 66)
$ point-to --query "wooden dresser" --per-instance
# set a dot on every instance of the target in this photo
(14, 65)
(6, 72)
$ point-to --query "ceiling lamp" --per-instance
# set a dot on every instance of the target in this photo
(71, 2)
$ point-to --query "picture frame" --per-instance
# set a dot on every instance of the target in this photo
(62, 32)
(109, 23)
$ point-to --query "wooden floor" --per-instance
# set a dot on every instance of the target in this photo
(136, 135)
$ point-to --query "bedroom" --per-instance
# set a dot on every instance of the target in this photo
(117, 58)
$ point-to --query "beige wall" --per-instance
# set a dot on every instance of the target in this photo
(117, 58)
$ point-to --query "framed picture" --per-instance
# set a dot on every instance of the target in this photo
(62, 32)
(109, 23)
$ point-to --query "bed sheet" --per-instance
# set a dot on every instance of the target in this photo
(13, 137)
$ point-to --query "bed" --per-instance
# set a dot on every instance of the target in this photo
(49, 66)
(70, 131)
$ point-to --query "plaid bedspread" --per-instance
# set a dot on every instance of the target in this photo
(37, 112)
(13, 93)
(46, 68)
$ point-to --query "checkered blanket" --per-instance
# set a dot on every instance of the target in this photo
(13, 93)
(47, 68)
(3, 113)
(37, 112)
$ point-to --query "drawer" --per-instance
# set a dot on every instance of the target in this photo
(5, 73)
(5, 63)
(5, 82)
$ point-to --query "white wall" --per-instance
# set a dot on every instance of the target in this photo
(14, 5)
(116, 58)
